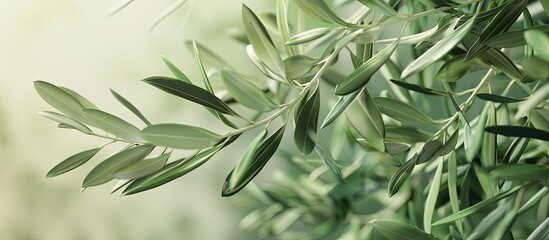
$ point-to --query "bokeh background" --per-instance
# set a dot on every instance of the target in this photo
(74, 43)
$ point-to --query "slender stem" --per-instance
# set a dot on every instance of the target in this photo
(112, 138)
(313, 83)
(465, 105)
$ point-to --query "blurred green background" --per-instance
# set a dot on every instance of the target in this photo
(76, 45)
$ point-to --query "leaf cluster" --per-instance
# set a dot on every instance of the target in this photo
(440, 127)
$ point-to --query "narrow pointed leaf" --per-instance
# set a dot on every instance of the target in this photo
(539, 41)
(497, 98)
(438, 50)
(341, 105)
(524, 172)
(380, 6)
(396, 229)
(208, 55)
(499, 24)
(307, 36)
(246, 93)
(175, 71)
(60, 100)
(102, 173)
(320, 10)
(450, 144)
(401, 111)
(475, 208)
(247, 159)
(519, 131)
(81, 99)
(536, 68)
(180, 136)
(323, 151)
(174, 170)
(364, 115)
(431, 201)
(360, 77)
(514, 38)
(419, 89)
(72, 162)
(261, 41)
(142, 168)
(62, 119)
(113, 124)
(455, 68)
(130, 107)
(299, 66)
(499, 60)
(306, 121)
(265, 151)
(190, 92)
(400, 176)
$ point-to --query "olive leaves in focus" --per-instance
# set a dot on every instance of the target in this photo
(452, 141)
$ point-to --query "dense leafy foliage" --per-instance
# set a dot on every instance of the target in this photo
(436, 113)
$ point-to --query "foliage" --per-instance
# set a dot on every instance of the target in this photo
(440, 126)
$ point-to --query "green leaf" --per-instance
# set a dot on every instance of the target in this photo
(475, 208)
(380, 6)
(438, 50)
(450, 144)
(113, 124)
(540, 119)
(514, 38)
(246, 93)
(130, 107)
(299, 66)
(341, 105)
(323, 151)
(307, 36)
(539, 41)
(190, 92)
(174, 170)
(180, 136)
(396, 229)
(401, 111)
(265, 151)
(487, 224)
(455, 68)
(499, 60)
(452, 185)
(60, 100)
(72, 162)
(397, 147)
(488, 152)
(428, 151)
(400, 176)
(536, 68)
(142, 168)
(320, 10)
(175, 71)
(467, 132)
(431, 201)
(102, 173)
(515, 150)
(499, 24)
(261, 41)
(519, 131)
(208, 55)
(419, 89)
(542, 94)
(81, 99)
(365, 117)
(247, 159)
(360, 77)
(497, 98)
(524, 172)
(62, 119)
(542, 231)
(306, 121)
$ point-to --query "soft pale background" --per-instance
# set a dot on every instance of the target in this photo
(75, 44)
